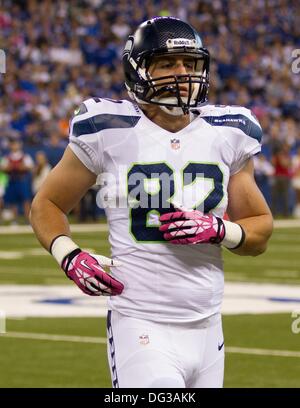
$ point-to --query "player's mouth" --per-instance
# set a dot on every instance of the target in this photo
(183, 91)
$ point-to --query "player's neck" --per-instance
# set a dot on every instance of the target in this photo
(168, 122)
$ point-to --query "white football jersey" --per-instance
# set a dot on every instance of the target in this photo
(143, 170)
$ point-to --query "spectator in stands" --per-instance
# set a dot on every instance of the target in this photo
(263, 171)
(54, 148)
(3, 184)
(296, 182)
(281, 161)
(41, 170)
(61, 53)
(18, 166)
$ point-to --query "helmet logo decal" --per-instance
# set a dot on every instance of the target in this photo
(180, 42)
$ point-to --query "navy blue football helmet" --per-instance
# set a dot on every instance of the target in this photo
(165, 36)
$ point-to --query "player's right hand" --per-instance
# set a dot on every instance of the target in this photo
(87, 272)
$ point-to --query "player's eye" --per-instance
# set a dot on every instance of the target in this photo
(189, 64)
(165, 65)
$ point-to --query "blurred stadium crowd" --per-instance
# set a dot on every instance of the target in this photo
(61, 52)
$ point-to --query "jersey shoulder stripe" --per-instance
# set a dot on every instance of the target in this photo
(238, 121)
(95, 115)
(233, 116)
(100, 122)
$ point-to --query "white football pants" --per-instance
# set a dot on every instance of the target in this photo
(145, 354)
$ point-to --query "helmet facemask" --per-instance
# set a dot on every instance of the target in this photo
(165, 91)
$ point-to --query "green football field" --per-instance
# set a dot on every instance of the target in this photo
(261, 349)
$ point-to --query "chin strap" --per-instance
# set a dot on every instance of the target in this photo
(176, 111)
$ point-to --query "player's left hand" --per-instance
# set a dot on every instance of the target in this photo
(192, 227)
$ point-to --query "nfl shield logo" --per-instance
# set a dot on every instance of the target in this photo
(144, 339)
(175, 144)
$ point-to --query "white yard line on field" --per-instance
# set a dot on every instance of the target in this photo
(279, 248)
(294, 223)
(280, 238)
(11, 255)
(54, 337)
(26, 229)
(263, 352)
(274, 263)
(283, 273)
(102, 340)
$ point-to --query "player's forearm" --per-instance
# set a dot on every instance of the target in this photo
(258, 230)
(48, 221)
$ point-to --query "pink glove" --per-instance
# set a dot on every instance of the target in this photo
(192, 227)
(87, 272)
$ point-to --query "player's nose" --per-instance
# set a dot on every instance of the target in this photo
(180, 68)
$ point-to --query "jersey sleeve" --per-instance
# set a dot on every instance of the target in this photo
(84, 139)
(246, 139)
(240, 129)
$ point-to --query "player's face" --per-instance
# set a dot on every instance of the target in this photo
(173, 65)
(15, 146)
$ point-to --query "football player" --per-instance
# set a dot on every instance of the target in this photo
(178, 163)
